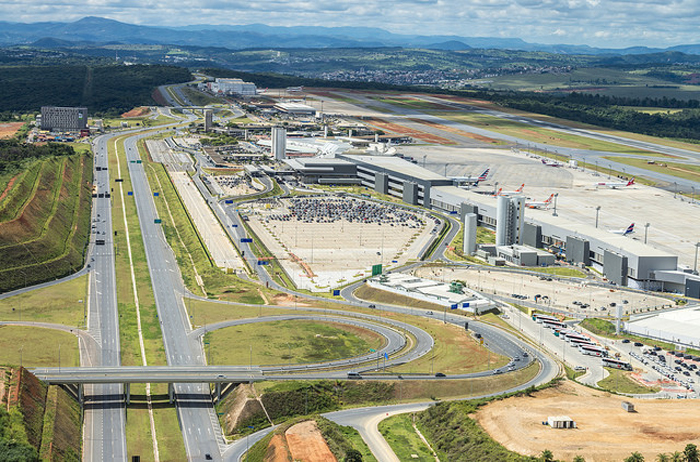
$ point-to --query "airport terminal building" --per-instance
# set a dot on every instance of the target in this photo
(623, 261)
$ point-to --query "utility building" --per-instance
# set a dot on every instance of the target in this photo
(208, 120)
(279, 143)
(510, 214)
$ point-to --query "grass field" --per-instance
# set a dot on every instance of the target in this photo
(455, 351)
(537, 134)
(37, 347)
(288, 341)
(45, 221)
(619, 382)
(680, 170)
(559, 271)
(370, 294)
(63, 303)
(398, 431)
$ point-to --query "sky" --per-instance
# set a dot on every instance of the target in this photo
(600, 23)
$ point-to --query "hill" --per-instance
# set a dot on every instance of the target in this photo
(37, 421)
(44, 217)
(107, 89)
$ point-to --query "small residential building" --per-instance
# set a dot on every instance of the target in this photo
(561, 421)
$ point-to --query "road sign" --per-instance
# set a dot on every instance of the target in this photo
(155, 194)
(376, 269)
(130, 193)
(157, 221)
(246, 239)
(336, 292)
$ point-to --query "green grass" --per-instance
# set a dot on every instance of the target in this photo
(37, 347)
(281, 342)
(537, 134)
(679, 170)
(188, 246)
(370, 294)
(198, 98)
(559, 271)
(572, 374)
(59, 304)
(49, 223)
(341, 439)
(619, 382)
(138, 425)
(404, 441)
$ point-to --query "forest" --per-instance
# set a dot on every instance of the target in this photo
(106, 90)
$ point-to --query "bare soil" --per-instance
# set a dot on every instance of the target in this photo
(9, 129)
(604, 432)
(396, 128)
(307, 443)
(8, 188)
(137, 112)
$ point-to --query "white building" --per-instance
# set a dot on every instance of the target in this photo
(234, 86)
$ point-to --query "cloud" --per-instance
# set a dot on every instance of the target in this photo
(608, 23)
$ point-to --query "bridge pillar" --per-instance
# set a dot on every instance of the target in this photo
(171, 392)
(127, 389)
(218, 391)
(81, 395)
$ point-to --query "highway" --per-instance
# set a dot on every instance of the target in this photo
(199, 424)
(104, 425)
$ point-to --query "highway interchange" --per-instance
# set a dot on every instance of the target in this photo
(105, 407)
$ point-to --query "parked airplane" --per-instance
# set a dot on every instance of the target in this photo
(623, 231)
(551, 163)
(615, 185)
(501, 192)
(472, 180)
(539, 205)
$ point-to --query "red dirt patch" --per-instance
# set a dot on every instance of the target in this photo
(9, 129)
(9, 187)
(307, 443)
(136, 112)
(159, 98)
(474, 136)
(277, 450)
(400, 129)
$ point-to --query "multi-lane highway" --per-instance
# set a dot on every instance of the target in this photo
(104, 431)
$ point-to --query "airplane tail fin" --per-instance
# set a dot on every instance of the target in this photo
(630, 182)
(630, 229)
(483, 176)
(520, 189)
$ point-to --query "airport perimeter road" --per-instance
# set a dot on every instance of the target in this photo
(104, 426)
(200, 427)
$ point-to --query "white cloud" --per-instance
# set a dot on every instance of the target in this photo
(608, 23)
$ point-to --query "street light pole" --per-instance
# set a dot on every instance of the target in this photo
(597, 210)
(695, 266)
(554, 214)
(646, 231)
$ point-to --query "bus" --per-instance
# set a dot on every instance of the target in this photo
(617, 364)
(592, 350)
(577, 336)
(554, 325)
(540, 318)
(580, 341)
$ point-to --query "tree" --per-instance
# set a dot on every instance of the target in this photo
(547, 456)
(676, 457)
(663, 457)
(579, 459)
(635, 457)
(691, 453)
(353, 455)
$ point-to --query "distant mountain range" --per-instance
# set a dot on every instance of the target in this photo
(101, 30)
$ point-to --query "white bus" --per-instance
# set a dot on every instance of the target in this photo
(593, 350)
(617, 364)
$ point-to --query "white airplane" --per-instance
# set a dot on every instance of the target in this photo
(551, 163)
(501, 192)
(538, 205)
(623, 231)
(615, 185)
(472, 180)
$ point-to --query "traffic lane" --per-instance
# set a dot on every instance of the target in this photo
(167, 284)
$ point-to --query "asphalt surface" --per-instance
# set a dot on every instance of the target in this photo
(105, 419)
